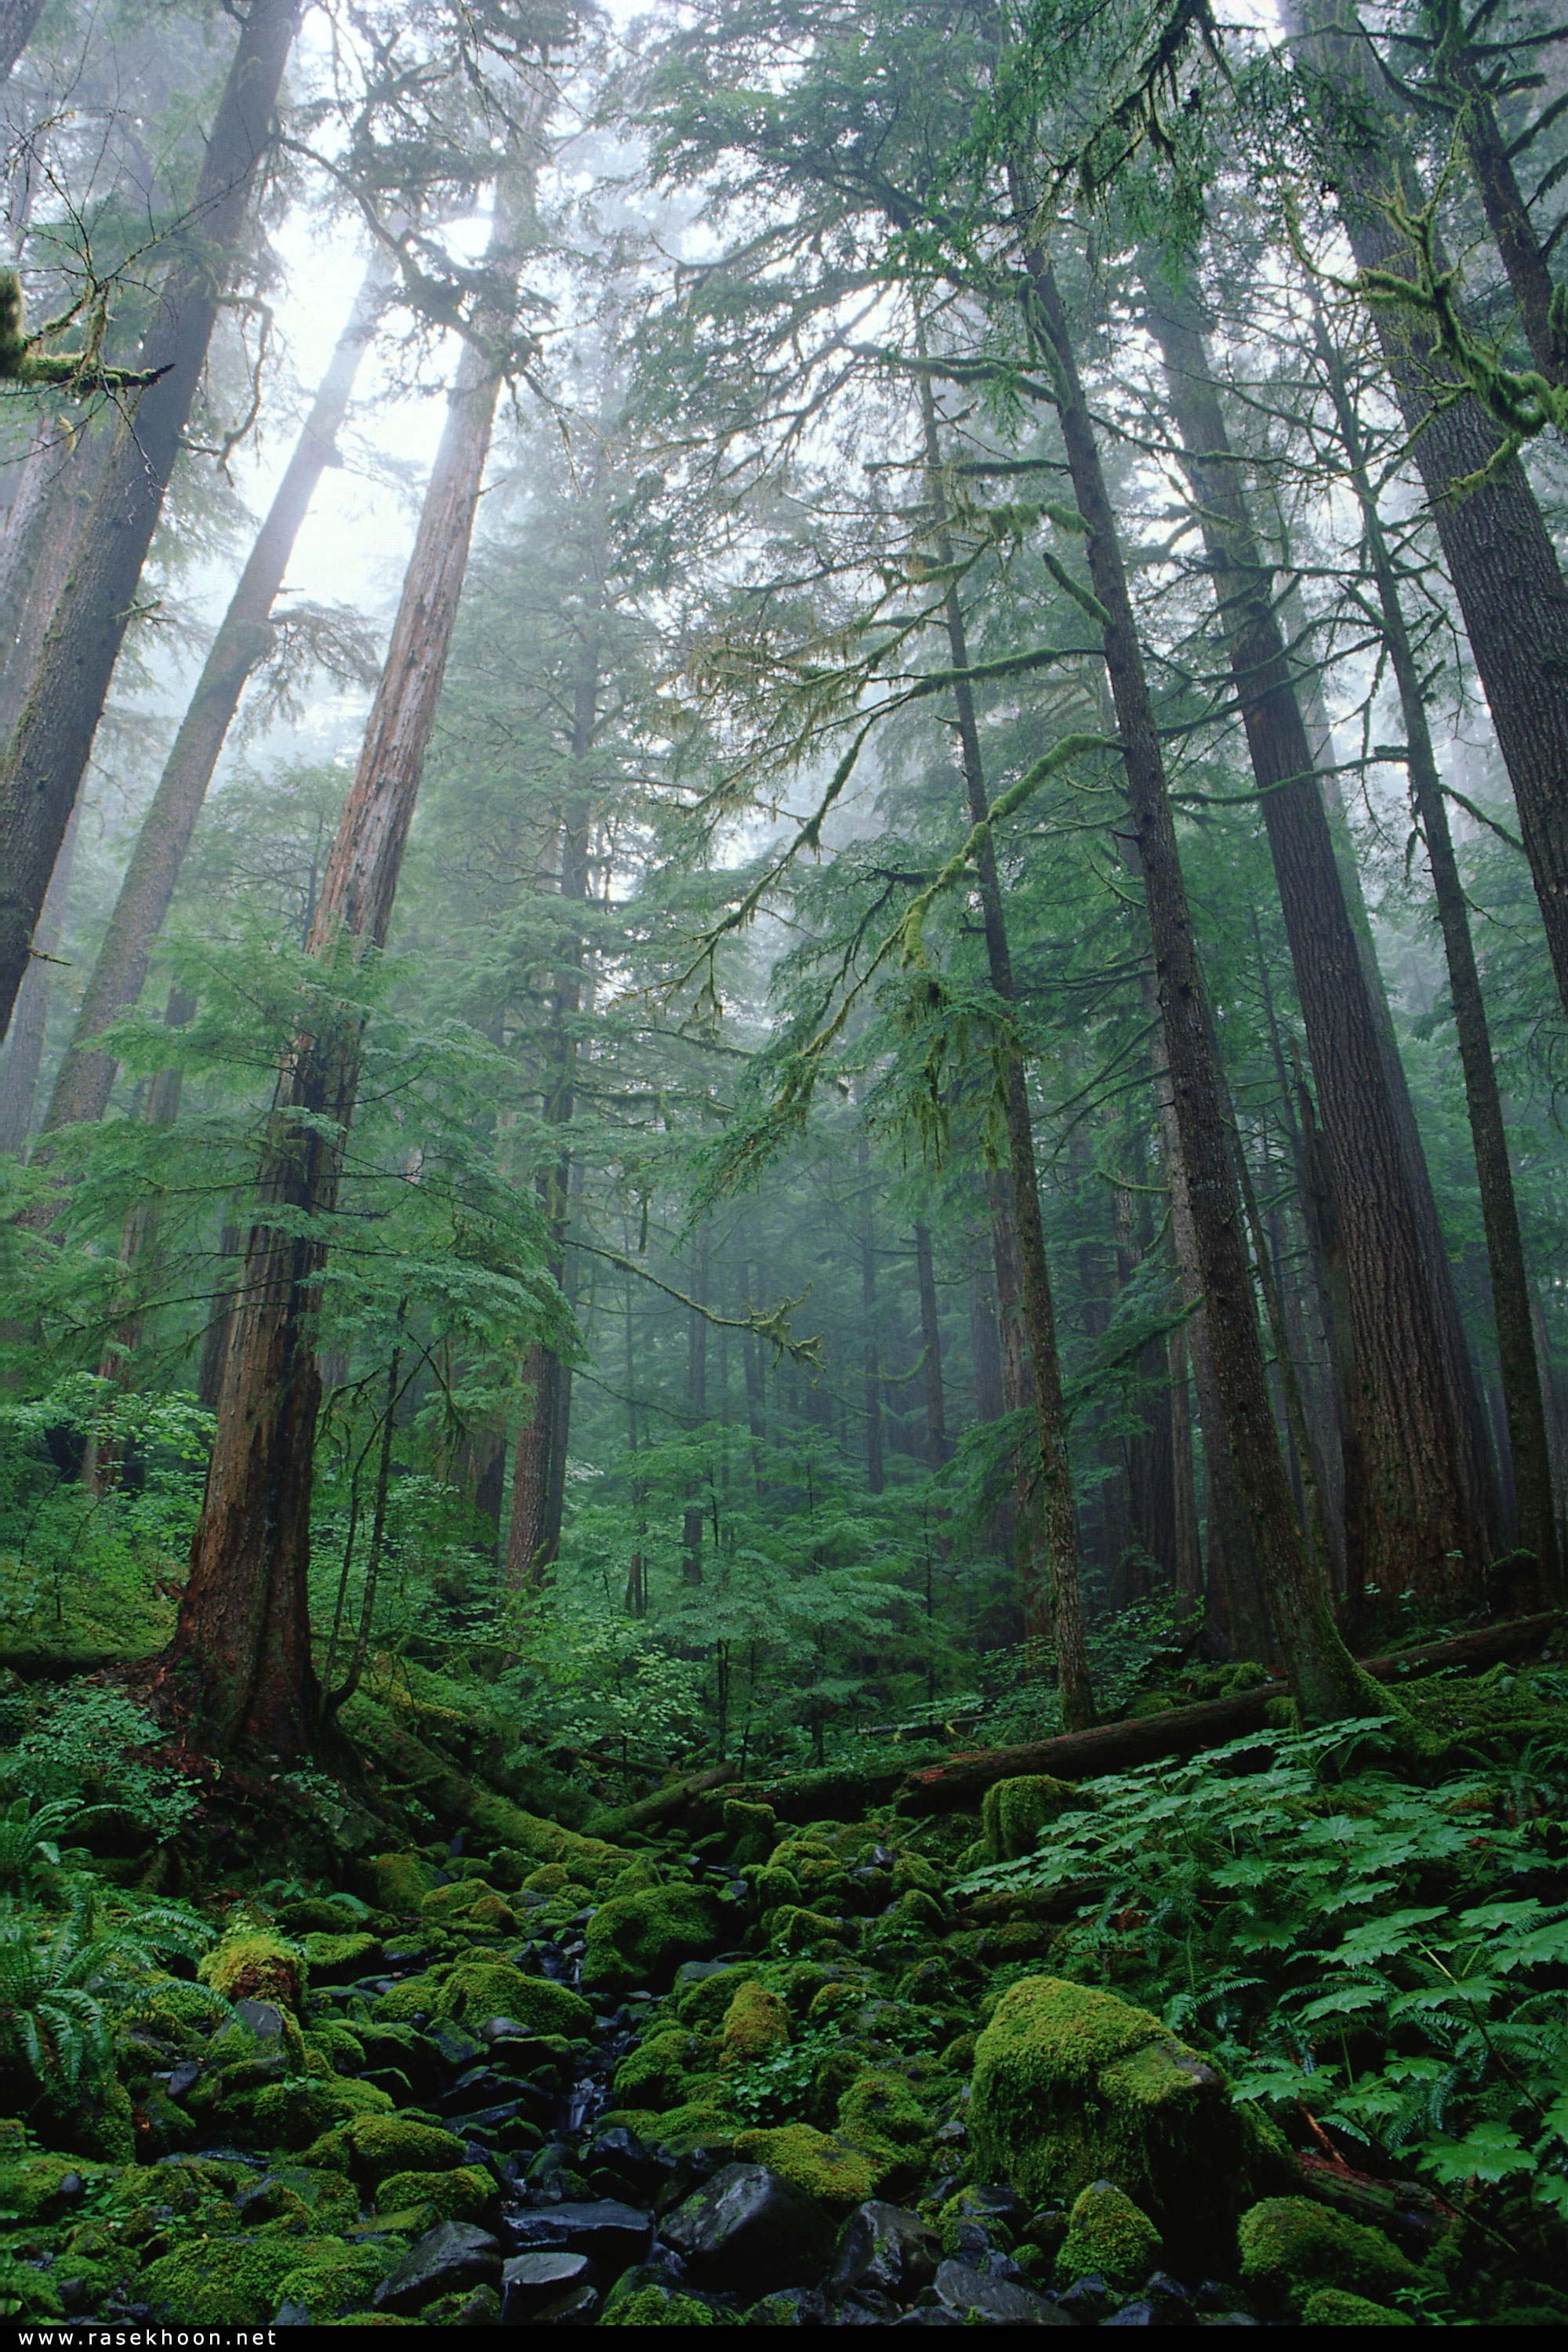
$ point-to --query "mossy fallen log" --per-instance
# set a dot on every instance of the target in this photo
(963, 1781)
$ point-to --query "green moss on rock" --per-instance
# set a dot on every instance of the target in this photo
(1332, 2307)
(398, 1883)
(1108, 2234)
(460, 2195)
(795, 1928)
(1014, 1812)
(374, 2146)
(659, 2307)
(238, 2281)
(659, 2072)
(1290, 2245)
(642, 1938)
(256, 1965)
(821, 2163)
(339, 1959)
(756, 2024)
(470, 1903)
(477, 1989)
(30, 2185)
(752, 1830)
(1073, 2086)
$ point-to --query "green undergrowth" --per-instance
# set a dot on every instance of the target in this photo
(1374, 1934)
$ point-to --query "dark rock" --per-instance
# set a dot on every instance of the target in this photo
(610, 2235)
(885, 2247)
(454, 2254)
(1173, 2304)
(576, 2308)
(182, 2076)
(1086, 2300)
(291, 2314)
(793, 2306)
(977, 2298)
(748, 2229)
(1132, 2314)
(457, 2049)
(264, 2018)
(530, 2280)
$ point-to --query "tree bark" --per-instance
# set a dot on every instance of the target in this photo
(986, 1346)
(54, 496)
(86, 1077)
(937, 1450)
(1499, 552)
(22, 1054)
(1061, 1532)
(696, 1408)
(871, 1352)
(1185, 1730)
(1428, 1526)
(240, 1659)
(42, 770)
(1324, 1675)
(18, 21)
(1525, 1411)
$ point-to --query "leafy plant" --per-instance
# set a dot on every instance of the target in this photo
(775, 2089)
(28, 1848)
(84, 1741)
(62, 1985)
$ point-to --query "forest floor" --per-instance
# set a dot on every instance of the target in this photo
(1273, 2032)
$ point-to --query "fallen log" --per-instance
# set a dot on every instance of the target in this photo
(662, 1804)
(963, 1781)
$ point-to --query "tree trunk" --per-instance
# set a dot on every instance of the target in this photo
(22, 1054)
(240, 1659)
(696, 1408)
(18, 20)
(1323, 1676)
(870, 1350)
(1507, 215)
(82, 1086)
(54, 496)
(1186, 1730)
(42, 770)
(1428, 1525)
(985, 1345)
(937, 1450)
(1189, 1559)
(1499, 552)
(1526, 1415)
(1061, 1532)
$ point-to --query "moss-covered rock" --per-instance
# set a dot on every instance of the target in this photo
(26, 2293)
(1108, 2234)
(37, 2188)
(1073, 2086)
(756, 2024)
(340, 2047)
(1290, 2245)
(398, 1883)
(476, 1989)
(293, 2113)
(702, 2003)
(796, 1929)
(374, 2146)
(460, 2195)
(1332, 2307)
(658, 2306)
(642, 1938)
(659, 2072)
(881, 2112)
(332, 2279)
(470, 1903)
(334, 1960)
(1014, 1812)
(752, 1830)
(256, 1965)
(825, 2165)
(238, 2281)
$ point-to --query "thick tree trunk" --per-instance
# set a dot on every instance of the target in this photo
(870, 1348)
(18, 21)
(82, 1086)
(1060, 1529)
(937, 1450)
(42, 770)
(22, 1054)
(54, 496)
(1323, 1676)
(240, 1659)
(1185, 1730)
(1499, 552)
(1430, 1529)
(1530, 1457)
(1189, 1559)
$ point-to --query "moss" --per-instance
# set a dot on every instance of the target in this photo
(642, 1938)
(643, 1871)
(26, 2293)
(1014, 1812)
(339, 1959)
(752, 1830)
(415, 1997)
(1073, 2086)
(343, 2050)
(1108, 2234)
(756, 2023)
(255, 1965)
(293, 2114)
(398, 1883)
(590, 1861)
(881, 2110)
(915, 1914)
(794, 1928)
(770, 1885)
(551, 1878)
(332, 2278)
(702, 2003)
(374, 2146)
(835, 2000)
(30, 2185)
(460, 2195)
(657, 2073)
(477, 1989)
(310, 2198)
(1289, 2244)
(707, 2121)
(233, 2282)
(470, 1903)
(1332, 2307)
(820, 2163)
(659, 2307)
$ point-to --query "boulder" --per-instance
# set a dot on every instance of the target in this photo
(751, 2230)
(455, 2255)
(885, 2247)
(608, 2234)
(978, 2300)
(642, 1938)
(1014, 1812)
(530, 2280)
(1073, 2086)
(1107, 2233)
(1290, 2245)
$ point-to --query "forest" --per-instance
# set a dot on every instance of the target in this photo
(784, 1262)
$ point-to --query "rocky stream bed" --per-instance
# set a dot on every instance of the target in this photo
(773, 2076)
